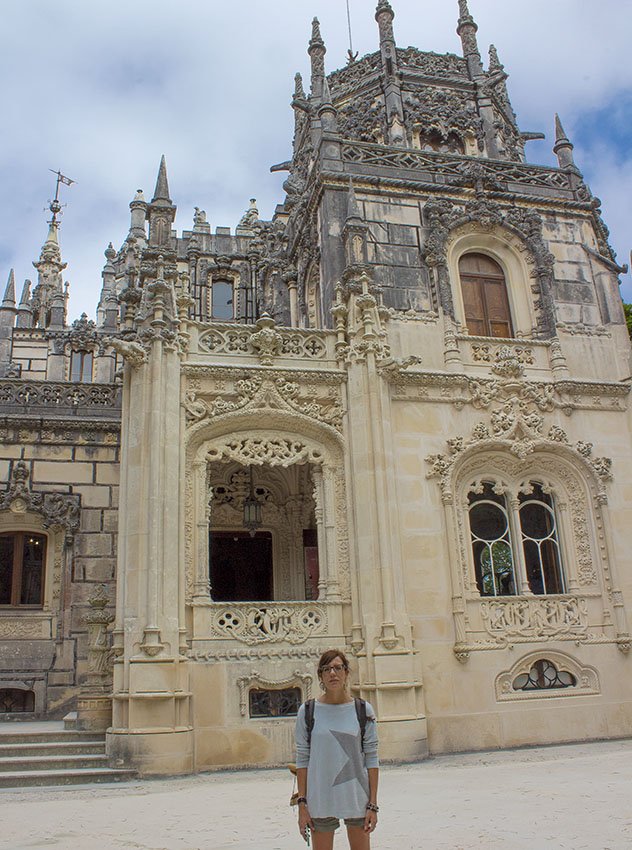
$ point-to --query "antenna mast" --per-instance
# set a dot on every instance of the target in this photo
(351, 56)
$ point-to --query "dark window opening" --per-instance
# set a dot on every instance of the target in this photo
(310, 554)
(241, 566)
(81, 366)
(274, 703)
(484, 296)
(22, 559)
(544, 675)
(15, 700)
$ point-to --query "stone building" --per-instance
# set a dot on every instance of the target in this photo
(395, 418)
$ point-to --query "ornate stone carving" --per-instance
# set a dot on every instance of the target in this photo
(97, 620)
(67, 398)
(256, 680)
(363, 118)
(231, 339)
(132, 351)
(446, 65)
(272, 622)
(535, 619)
(587, 680)
(260, 450)
(446, 111)
(58, 510)
(273, 391)
(487, 353)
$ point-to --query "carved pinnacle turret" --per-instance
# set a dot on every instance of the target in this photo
(317, 52)
(9, 293)
(563, 147)
(161, 212)
(161, 192)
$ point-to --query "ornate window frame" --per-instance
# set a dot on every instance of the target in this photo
(586, 676)
(256, 680)
(591, 611)
(507, 250)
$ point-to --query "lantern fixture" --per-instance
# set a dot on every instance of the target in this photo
(252, 509)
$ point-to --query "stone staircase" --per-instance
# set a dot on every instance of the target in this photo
(48, 754)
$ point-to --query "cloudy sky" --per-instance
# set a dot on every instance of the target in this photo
(101, 90)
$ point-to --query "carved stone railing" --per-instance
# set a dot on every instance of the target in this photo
(456, 169)
(60, 398)
(482, 353)
(267, 343)
(267, 622)
(536, 618)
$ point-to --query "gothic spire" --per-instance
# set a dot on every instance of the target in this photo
(161, 192)
(384, 16)
(25, 311)
(317, 52)
(494, 62)
(563, 147)
(9, 293)
(467, 29)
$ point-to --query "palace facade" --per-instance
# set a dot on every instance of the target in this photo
(395, 419)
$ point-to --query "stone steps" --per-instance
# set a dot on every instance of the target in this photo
(54, 757)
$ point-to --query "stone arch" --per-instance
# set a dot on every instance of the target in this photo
(274, 438)
(506, 249)
(586, 677)
(573, 483)
(513, 237)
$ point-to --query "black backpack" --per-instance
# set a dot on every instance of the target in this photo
(360, 707)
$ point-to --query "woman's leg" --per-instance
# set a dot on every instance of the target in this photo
(322, 840)
(358, 838)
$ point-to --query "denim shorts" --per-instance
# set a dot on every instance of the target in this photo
(332, 824)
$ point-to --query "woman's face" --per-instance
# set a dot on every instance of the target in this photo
(334, 676)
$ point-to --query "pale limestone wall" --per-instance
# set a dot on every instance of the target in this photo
(465, 708)
(54, 661)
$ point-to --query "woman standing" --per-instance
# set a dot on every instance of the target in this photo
(336, 761)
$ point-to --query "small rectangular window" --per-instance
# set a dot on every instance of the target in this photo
(222, 300)
(81, 367)
(274, 703)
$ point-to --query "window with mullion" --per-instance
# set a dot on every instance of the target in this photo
(485, 298)
(491, 543)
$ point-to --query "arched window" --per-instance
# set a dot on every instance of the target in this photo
(491, 543)
(222, 307)
(540, 542)
(22, 560)
(484, 296)
(499, 566)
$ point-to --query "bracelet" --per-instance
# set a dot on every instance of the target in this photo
(372, 807)
(300, 800)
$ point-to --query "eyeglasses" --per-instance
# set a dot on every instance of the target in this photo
(333, 668)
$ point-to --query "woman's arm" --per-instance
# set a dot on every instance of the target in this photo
(370, 819)
(304, 817)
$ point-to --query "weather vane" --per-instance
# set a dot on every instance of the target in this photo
(351, 56)
(55, 207)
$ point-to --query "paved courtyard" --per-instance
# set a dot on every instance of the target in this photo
(577, 797)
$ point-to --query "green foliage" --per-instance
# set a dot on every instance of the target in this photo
(628, 317)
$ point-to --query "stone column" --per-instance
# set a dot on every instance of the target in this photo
(94, 706)
(151, 723)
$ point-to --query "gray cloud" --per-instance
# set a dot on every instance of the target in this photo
(102, 90)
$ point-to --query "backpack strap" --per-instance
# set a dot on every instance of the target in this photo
(309, 719)
(360, 707)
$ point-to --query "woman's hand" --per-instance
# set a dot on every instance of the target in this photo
(304, 820)
(370, 821)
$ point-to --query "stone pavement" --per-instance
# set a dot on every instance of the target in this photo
(576, 796)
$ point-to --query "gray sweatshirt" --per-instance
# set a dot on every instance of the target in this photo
(337, 779)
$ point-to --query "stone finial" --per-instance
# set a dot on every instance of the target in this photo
(25, 298)
(494, 62)
(9, 293)
(563, 147)
(161, 192)
(316, 41)
(110, 253)
(384, 6)
(299, 91)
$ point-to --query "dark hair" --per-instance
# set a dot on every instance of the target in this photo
(328, 656)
